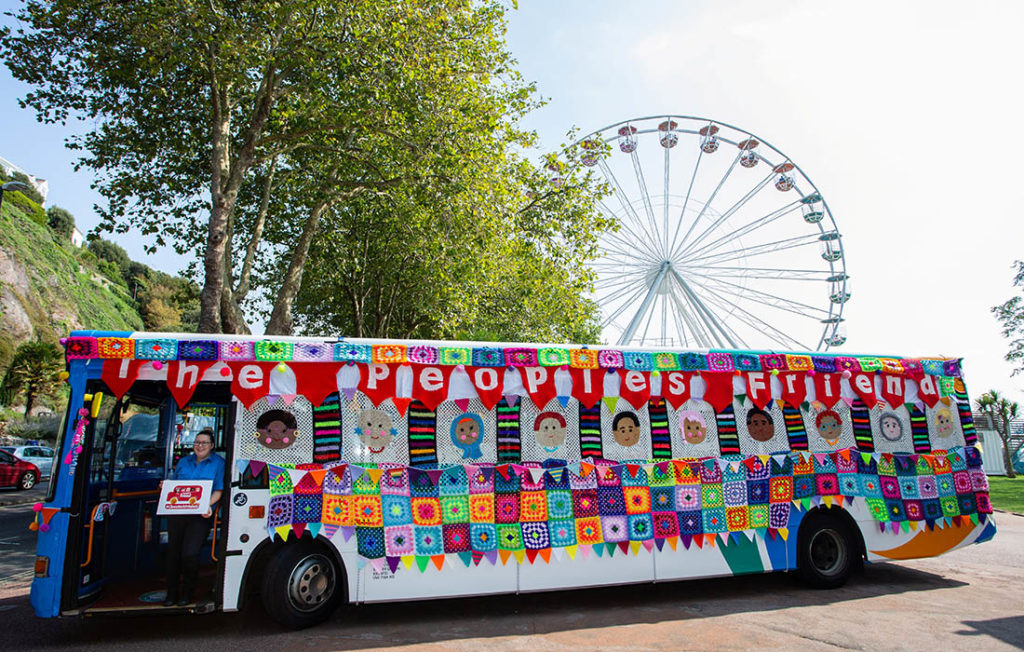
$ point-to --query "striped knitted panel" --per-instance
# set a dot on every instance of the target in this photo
(509, 447)
(963, 406)
(919, 429)
(422, 435)
(661, 444)
(860, 417)
(327, 430)
(590, 431)
(728, 440)
(795, 429)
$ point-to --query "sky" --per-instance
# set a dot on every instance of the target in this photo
(898, 112)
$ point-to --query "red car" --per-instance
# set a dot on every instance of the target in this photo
(17, 473)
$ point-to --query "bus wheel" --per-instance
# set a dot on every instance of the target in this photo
(27, 481)
(826, 551)
(301, 586)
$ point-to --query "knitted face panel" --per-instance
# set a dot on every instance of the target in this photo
(299, 449)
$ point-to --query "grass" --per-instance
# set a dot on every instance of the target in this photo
(1006, 493)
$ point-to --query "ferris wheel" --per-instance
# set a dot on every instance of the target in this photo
(722, 240)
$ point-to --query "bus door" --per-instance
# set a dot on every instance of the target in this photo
(128, 454)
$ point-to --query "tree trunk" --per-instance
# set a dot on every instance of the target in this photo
(30, 399)
(281, 322)
(1007, 460)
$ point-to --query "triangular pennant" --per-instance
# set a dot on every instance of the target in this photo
(675, 387)
(633, 546)
(282, 531)
(401, 404)
(635, 387)
(611, 402)
(520, 555)
(794, 387)
(422, 561)
(511, 399)
(393, 563)
(649, 544)
(430, 383)
(539, 383)
(298, 529)
(467, 558)
(893, 389)
(505, 554)
(571, 551)
(587, 385)
(827, 390)
(928, 390)
(863, 385)
(183, 376)
(250, 381)
(477, 557)
(438, 561)
(378, 381)
(489, 383)
(718, 389)
(492, 557)
(531, 555)
(118, 375)
(759, 389)
(585, 550)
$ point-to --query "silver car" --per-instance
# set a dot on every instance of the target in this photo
(41, 456)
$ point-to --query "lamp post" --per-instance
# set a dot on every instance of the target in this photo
(11, 185)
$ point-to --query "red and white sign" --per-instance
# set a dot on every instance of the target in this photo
(184, 497)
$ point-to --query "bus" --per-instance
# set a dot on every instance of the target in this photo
(361, 471)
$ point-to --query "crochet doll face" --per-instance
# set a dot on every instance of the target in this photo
(759, 425)
(693, 428)
(891, 427)
(375, 430)
(549, 429)
(944, 422)
(626, 429)
(276, 429)
(467, 432)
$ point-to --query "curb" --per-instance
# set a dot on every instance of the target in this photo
(15, 499)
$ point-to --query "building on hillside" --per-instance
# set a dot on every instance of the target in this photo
(39, 184)
(77, 239)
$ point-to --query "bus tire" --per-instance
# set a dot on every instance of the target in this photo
(827, 551)
(302, 585)
(27, 481)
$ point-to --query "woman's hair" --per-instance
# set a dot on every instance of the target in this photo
(270, 416)
(692, 415)
(827, 413)
(548, 415)
(206, 431)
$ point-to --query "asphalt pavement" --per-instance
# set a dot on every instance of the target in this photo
(970, 598)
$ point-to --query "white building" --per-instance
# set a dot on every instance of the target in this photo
(39, 184)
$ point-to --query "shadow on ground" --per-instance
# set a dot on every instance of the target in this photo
(369, 626)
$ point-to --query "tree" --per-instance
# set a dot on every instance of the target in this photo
(332, 89)
(1011, 316)
(33, 372)
(29, 190)
(61, 222)
(1000, 412)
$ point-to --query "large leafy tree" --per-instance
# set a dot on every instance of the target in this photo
(198, 103)
(1000, 412)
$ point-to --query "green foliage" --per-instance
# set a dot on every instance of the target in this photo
(1011, 316)
(29, 208)
(1007, 493)
(30, 190)
(62, 292)
(60, 221)
(1001, 411)
(33, 373)
(41, 428)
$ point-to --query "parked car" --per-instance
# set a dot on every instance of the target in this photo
(41, 456)
(17, 473)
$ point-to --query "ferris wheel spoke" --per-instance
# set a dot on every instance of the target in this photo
(710, 200)
(769, 273)
(645, 305)
(683, 247)
(644, 194)
(627, 207)
(686, 203)
(754, 250)
(636, 286)
(686, 311)
(617, 281)
(625, 306)
(767, 298)
(776, 335)
(625, 239)
(666, 184)
(714, 324)
(762, 221)
(752, 320)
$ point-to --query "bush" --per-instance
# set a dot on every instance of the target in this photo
(61, 222)
(31, 209)
(43, 429)
(29, 192)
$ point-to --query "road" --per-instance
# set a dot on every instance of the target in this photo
(972, 597)
(17, 543)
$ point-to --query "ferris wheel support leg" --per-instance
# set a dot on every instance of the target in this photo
(634, 323)
(706, 315)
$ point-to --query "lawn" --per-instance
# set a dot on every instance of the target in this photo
(1007, 494)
